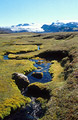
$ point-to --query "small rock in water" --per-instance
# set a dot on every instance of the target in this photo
(39, 67)
(37, 75)
(39, 62)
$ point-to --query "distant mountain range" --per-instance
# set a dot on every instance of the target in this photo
(5, 30)
(61, 27)
(42, 28)
(54, 27)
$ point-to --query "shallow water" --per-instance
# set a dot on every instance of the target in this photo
(38, 47)
(44, 68)
(5, 57)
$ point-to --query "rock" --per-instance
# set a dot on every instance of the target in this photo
(37, 75)
(39, 62)
(21, 80)
(38, 90)
(39, 67)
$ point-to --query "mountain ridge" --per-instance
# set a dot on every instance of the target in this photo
(57, 26)
(53, 27)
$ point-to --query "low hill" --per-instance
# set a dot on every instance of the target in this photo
(5, 30)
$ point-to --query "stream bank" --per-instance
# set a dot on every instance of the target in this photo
(42, 66)
(62, 104)
(33, 111)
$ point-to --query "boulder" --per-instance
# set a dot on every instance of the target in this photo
(21, 80)
(37, 75)
(38, 90)
(39, 67)
(39, 62)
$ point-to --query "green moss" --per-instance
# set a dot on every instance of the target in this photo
(21, 56)
(40, 85)
(21, 49)
(42, 101)
(38, 90)
(56, 70)
(63, 88)
(10, 96)
(12, 104)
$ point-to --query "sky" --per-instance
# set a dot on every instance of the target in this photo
(14, 12)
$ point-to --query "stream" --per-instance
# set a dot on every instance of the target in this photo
(33, 111)
(5, 57)
(43, 67)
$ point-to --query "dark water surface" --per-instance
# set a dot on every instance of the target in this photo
(33, 111)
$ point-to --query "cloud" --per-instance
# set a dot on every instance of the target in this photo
(67, 21)
(30, 28)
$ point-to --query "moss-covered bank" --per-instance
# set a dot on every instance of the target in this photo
(62, 104)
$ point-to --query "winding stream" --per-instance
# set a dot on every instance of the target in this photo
(33, 111)
(42, 67)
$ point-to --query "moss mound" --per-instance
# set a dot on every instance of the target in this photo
(38, 90)
(37, 75)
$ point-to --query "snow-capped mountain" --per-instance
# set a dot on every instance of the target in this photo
(58, 26)
(61, 27)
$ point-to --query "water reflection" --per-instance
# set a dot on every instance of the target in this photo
(5, 57)
(44, 67)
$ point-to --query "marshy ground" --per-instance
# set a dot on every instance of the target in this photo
(61, 50)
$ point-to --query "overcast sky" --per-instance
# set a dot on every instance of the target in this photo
(13, 12)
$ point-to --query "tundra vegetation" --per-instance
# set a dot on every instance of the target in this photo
(61, 49)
